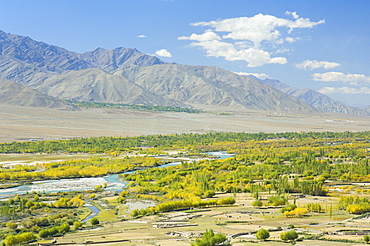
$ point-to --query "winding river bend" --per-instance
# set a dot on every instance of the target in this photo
(83, 184)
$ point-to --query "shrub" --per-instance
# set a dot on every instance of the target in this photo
(366, 238)
(77, 225)
(298, 212)
(209, 193)
(134, 213)
(288, 208)
(19, 239)
(277, 200)
(94, 221)
(48, 232)
(11, 225)
(63, 228)
(209, 238)
(289, 236)
(257, 203)
(262, 234)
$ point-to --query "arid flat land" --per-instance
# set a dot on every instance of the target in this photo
(25, 123)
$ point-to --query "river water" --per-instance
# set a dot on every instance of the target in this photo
(83, 184)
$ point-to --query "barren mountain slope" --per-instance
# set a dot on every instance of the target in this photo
(14, 94)
(50, 57)
(111, 59)
(204, 85)
(21, 72)
(99, 86)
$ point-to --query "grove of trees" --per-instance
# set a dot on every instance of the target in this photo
(275, 165)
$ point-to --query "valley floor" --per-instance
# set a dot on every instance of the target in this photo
(242, 218)
(23, 123)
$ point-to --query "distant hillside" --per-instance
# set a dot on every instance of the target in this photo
(96, 85)
(316, 99)
(13, 94)
(367, 108)
(170, 85)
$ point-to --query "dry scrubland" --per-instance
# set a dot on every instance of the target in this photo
(22, 123)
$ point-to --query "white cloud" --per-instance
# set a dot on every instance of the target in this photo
(258, 28)
(354, 79)
(254, 57)
(249, 38)
(257, 75)
(293, 14)
(308, 64)
(345, 90)
(282, 50)
(163, 53)
(209, 35)
(290, 39)
(243, 44)
(141, 36)
(360, 83)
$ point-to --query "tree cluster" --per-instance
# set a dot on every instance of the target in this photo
(209, 238)
(19, 239)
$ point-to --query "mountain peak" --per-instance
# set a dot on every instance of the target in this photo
(112, 59)
(26, 61)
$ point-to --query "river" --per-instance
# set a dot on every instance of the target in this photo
(83, 184)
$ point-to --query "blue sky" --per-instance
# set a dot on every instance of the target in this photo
(323, 45)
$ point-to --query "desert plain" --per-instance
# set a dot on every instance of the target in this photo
(27, 123)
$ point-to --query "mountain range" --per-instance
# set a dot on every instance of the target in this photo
(124, 75)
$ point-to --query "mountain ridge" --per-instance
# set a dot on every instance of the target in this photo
(38, 57)
(125, 75)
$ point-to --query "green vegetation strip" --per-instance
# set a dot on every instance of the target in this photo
(207, 142)
(134, 106)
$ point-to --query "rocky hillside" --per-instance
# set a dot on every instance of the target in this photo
(110, 60)
(97, 85)
(170, 85)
